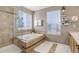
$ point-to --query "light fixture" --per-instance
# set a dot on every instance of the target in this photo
(63, 9)
(65, 21)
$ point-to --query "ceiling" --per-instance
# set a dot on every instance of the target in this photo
(35, 8)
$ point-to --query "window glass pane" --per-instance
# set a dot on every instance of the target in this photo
(37, 23)
(53, 22)
(20, 20)
(24, 20)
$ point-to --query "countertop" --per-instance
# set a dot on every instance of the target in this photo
(75, 35)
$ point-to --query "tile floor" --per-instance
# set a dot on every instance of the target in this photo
(45, 47)
(61, 48)
(10, 49)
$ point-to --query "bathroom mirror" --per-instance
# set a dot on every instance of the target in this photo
(74, 18)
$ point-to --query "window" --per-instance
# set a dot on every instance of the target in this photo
(24, 21)
(53, 22)
(37, 23)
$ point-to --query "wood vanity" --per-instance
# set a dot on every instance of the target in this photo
(74, 41)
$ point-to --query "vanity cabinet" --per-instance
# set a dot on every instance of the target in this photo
(73, 44)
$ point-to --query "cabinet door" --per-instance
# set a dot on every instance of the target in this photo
(75, 47)
(71, 43)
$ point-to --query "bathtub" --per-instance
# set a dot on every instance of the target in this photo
(29, 37)
(26, 41)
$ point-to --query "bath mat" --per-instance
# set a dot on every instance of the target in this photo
(53, 48)
(46, 47)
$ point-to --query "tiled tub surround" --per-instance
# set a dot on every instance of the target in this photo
(27, 42)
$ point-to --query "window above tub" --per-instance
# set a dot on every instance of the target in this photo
(24, 21)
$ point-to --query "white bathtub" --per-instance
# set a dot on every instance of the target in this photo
(29, 37)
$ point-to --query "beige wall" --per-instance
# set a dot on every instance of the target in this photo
(6, 25)
(71, 11)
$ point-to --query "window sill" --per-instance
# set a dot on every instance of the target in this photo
(24, 29)
(54, 33)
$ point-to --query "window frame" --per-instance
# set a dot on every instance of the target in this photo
(24, 28)
(53, 33)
